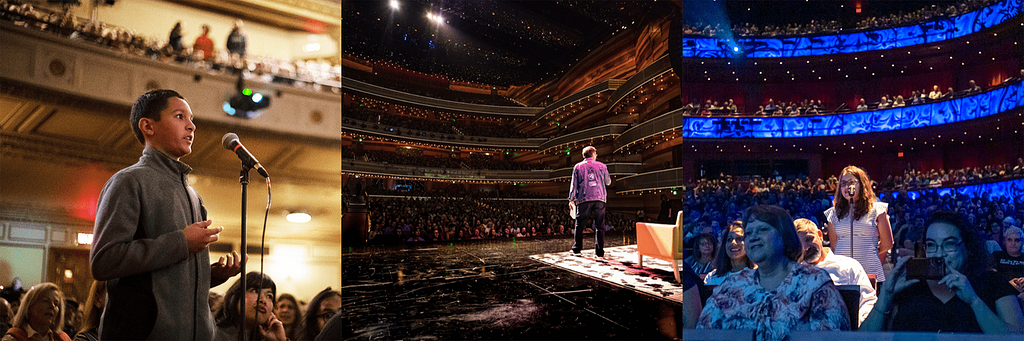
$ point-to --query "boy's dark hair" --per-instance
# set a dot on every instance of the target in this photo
(228, 314)
(149, 105)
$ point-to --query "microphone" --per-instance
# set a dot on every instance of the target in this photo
(851, 189)
(230, 141)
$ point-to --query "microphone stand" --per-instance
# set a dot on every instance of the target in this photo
(243, 179)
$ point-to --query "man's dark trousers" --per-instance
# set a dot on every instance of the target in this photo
(589, 214)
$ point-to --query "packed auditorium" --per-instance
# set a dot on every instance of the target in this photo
(501, 169)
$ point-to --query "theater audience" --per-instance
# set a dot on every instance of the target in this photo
(6, 314)
(322, 307)
(843, 270)
(40, 316)
(260, 322)
(731, 257)
(779, 296)
(967, 299)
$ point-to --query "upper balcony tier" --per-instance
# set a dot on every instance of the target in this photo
(998, 100)
(927, 32)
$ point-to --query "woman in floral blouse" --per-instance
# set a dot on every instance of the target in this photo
(781, 295)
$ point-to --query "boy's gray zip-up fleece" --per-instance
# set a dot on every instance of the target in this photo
(156, 288)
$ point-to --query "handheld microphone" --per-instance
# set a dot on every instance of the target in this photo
(230, 141)
(851, 189)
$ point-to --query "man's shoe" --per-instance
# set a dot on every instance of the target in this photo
(576, 254)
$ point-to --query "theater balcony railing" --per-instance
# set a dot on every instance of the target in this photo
(927, 32)
(667, 123)
(379, 169)
(405, 98)
(661, 66)
(650, 181)
(33, 58)
(615, 169)
(609, 130)
(1006, 98)
(358, 127)
(608, 85)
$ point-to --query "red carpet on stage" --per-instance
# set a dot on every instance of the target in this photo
(620, 269)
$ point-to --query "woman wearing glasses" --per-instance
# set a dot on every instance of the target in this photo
(858, 225)
(322, 307)
(968, 299)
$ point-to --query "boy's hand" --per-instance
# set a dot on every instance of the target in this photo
(197, 236)
(224, 269)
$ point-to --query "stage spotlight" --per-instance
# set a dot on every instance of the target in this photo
(246, 103)
(394, 4)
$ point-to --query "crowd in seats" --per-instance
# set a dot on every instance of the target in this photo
(432, 92)
(478, 163)
(815, 27)
(913, 179)
(48, 313)
(810, 107)
(420, 192)
(452, 130)
(315, 75)
(449, 218)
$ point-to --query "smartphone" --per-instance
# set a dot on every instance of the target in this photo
(926, 268)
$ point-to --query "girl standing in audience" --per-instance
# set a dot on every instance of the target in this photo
(968, 299)
(731, 257)
(858, 224)
(92, 311)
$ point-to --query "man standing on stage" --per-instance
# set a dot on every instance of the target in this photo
(587, 192)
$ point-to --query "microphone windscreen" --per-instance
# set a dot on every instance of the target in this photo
(229, 140)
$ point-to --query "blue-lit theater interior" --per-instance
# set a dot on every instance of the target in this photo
(430, 145)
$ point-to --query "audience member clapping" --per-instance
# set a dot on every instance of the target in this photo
(966, 298)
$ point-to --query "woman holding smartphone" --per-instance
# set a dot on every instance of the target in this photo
(967, 299)
(858, 225)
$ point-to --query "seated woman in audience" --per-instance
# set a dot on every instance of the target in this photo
(289, 313)
(92, 311)
(781, 295)
(40, 315)
(704, 261)
(1010, 261)
(322, 307)
(731, 256)
(968, 299)
(260, 321)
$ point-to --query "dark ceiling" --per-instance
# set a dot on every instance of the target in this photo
(522, 42)
(486, 41)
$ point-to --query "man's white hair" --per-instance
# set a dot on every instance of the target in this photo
(588, 148)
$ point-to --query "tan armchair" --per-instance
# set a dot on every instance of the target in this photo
(661, 241)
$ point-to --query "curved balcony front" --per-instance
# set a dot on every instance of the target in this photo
(399, 97)
(608, 130)
(667, 122)
(608, 85)
(1002, 99)
(614, 169)
(431, 138)
(378, 169)
(873, 40)
(650, 181)
(662, 66)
